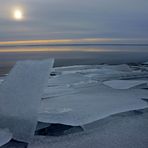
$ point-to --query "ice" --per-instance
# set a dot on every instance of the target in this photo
(67, 79)
(55, 91)
(126, 130)
(20, 97)
(126, 84)
(123, 67)
(5, 136)
(76, 98)
(73, 69)
(1, 80)
(85, 68)
(145, 63)
(119, 75)
(90, 104)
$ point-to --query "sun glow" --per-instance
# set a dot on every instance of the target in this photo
(17, 14)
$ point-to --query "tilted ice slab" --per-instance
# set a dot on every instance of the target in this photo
(20, 96)
(5, 136)
(90, 104)
(125, 84)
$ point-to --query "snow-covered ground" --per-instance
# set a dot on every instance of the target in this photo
(125, 130)
(84, 95)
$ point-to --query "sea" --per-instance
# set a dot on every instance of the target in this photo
(74, 54)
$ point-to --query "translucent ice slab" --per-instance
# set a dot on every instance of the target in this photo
(5, 136)
(90, 104)
(20, 96)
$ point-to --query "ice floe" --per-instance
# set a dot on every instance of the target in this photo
(90, 104)
(78, 98)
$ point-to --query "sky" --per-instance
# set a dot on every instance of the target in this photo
(73, 19)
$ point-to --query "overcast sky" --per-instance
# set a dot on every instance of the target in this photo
(62, 19)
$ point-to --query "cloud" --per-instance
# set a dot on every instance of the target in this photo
(74, 19)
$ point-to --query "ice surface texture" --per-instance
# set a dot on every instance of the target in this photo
(90, 104)
(5, 136)
(126, 130)
(76, 99)
(20, 96)
(126, 84)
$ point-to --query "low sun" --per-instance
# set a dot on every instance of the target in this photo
(17, 14)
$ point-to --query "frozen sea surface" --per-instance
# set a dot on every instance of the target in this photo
(125, 130)
(106, 105)
(126, 84)
(74, 98)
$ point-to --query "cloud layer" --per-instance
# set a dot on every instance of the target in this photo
(54, 19)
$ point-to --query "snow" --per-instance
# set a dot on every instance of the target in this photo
(125, 84)
(20, 96)
(5, 136)
(126, 130)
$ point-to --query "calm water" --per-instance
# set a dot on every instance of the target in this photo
(74, 54)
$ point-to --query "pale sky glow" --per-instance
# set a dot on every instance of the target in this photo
(64, 41)
(17, 14)
(67, 19)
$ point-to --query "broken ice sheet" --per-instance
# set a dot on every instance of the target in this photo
(1, 80)
(67, 79)
(90, 100)
(127, 130)
(91, 68)
(5, 136)
(122, 67)
(126, 84)
(51, 92)
(90, 104)
(20, 96)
